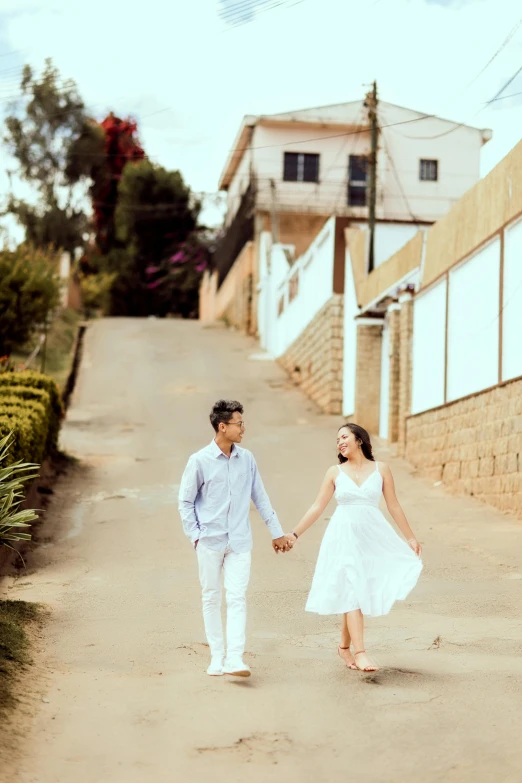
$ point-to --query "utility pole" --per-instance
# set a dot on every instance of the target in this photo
(273, 213)
(371, 103)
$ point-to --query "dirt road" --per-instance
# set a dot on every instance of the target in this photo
(125, 697)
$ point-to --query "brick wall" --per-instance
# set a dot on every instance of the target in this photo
(473, 445)
(395, 375)
(315, 359)
(405, 368)
(368, 374)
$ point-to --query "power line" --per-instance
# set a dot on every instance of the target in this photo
(397, 179)
(509, 81)
(243, 7)
(504, 97)
(499, 50)
(233, 16)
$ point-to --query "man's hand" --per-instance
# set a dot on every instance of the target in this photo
(280, 545)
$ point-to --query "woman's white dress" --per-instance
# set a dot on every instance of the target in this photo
(363, 563)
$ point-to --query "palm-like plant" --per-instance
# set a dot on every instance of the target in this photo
(12, 477)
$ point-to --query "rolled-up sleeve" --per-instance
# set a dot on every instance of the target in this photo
(188, 490)
(263, 505)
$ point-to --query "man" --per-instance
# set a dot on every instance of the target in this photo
(214, 501)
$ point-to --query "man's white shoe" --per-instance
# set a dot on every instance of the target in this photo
(237, 668)
(216, 667)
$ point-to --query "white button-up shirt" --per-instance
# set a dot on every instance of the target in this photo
(214, 499)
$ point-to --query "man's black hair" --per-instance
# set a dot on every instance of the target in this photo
(223, 410)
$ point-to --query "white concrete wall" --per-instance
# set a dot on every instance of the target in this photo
(390, 237)
(457, 150)
(315, 270)
(512, 303)
(473, 322)
(428, 351)
(401, 194)
(473, 309)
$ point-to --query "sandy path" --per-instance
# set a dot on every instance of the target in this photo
(126, 695)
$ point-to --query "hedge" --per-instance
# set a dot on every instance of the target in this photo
(31, 408)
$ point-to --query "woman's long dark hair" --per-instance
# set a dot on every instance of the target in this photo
(362, 438)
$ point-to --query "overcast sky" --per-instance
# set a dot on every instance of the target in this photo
(188, 71)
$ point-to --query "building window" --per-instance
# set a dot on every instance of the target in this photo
(429, 170)
(357, 180)
(301, 167)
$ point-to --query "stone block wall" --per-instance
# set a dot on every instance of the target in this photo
(405, 367)
(368, 374)
(315, 359)
(473, 445)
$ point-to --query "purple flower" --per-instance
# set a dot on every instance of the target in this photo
(201, 267)
(155, 283)
(150, 270)
(178, 258)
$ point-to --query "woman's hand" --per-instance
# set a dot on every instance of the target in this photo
(414, 544)
(290, 539)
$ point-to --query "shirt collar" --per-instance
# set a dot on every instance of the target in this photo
(216, 451)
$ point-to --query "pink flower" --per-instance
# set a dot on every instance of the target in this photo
(150, 270)
(155, 283)
(201, 267)
(179, 257)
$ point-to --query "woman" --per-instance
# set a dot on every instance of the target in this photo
(363, 565)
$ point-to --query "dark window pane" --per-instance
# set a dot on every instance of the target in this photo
(311, 168)
(290, 166)
(356, 196)
(358, 169)
(429, 170)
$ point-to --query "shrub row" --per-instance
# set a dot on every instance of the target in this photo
(31, 408)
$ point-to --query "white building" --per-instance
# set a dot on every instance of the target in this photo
(289, 173)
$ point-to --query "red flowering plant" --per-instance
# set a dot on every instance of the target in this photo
(174, 282)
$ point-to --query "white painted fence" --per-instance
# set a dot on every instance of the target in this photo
(479, 321)
(291, 295)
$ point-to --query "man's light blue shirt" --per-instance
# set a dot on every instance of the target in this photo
(214, 499)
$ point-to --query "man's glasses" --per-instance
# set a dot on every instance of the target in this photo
(236, 423)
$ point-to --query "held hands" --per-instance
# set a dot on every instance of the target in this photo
(414, 544)
(284, 543)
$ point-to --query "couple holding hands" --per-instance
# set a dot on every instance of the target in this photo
(363, 565)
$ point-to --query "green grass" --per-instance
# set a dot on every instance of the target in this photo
(60, 343)
(14, 644)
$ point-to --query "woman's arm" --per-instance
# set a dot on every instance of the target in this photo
(318, 506)
(395, 509)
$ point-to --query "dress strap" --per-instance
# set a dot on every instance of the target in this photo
(377, 467)
(339, 468)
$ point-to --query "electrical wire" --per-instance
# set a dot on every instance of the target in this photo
(414, 218)
(252, 8)
(499, 50)
(509, 81)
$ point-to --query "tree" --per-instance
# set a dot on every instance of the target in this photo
(29, 291)
(101, 153)
(40, 132)
(155, 216)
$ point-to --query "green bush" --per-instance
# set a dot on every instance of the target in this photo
(29, 292)
(10, 395)
(30, 407)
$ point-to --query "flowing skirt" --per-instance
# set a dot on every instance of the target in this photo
(362, 564)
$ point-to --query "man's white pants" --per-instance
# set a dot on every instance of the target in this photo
(236, 570)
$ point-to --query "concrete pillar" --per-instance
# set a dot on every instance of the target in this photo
(393, 315)
(368, 374)
(406, 339)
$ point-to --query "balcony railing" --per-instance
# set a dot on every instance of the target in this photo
(240, 231)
